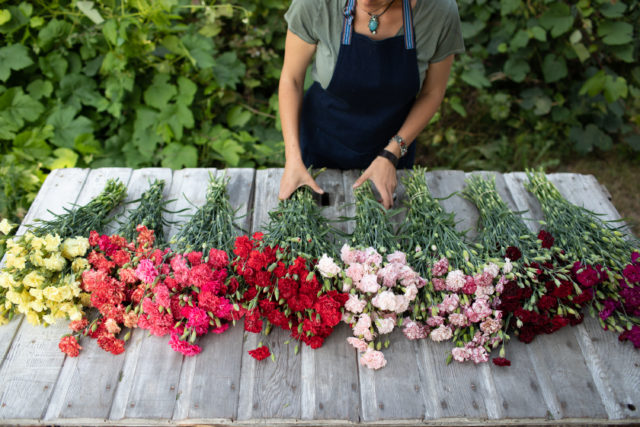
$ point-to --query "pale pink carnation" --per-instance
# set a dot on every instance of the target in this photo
(483, 279)
(450, 303)
(347, 254)
(421, 282)
(355, 271)
(411, 292)
(361, 328)
(414, 331)
(440, 268)
(373, 359)
(385, 301)
(358, 344)
(507, 267)
(482, 291)
(385, 326)
(346, 286)
(327, 267)
(373, 257)
(501, 282)
(490, 325)
(479, 355)
(389, 275)
(112, 326)
(458, 319)
(492, 269)
(455, 280)
(408, 276)
(146, 272)
(439, 284)
(347, 317)
(369, 283)
(481, 307)
(461, 354)
(397, 257)
(479, 339)
(434, 321)
(442, 333)
(402, 304)
(354, 304)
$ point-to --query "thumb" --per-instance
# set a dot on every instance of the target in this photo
(360, 180)
(315, 187)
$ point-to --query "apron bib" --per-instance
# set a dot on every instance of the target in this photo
(373, 87)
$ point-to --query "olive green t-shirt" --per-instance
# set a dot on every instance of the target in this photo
(436, 23)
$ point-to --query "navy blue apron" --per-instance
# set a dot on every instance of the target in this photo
(373, 87)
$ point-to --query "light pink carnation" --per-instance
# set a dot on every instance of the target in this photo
(358, 344)
(347, 254)
(402, 304)
(479, 355)
(501, 282)
(385, 326)
(450, 303)
(397, 257)
(385, 301)
(146, 272)
(440, 268)
(373, 359)
(361, 328)
(439, 284)
(414, 331)
(327, 267)
(455, 280)
(355, 271)
(408, 276)
(434, 321)
(389, 275)
(411, 292)
(373, 257)
(490, 325)
(482, 291)
(369, 283)
(483, 279)
(481, 307)
(461, 354)
(442, 333)
(492, 269)
(354, 304)
(458, 319)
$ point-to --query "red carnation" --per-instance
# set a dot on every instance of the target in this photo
(314, 341)
(559, 322)
(547, 302)
(563, 291)
(260, 353)
(527, 334)
(253, 322)
(195, 258)
(69, 345)
(78, 325)
(218, 259)
(329, 310)
(588, 277)
(547, 239)
(513, 254)
(501, 361)
(242, 246)
(632, 273)
(111, 344)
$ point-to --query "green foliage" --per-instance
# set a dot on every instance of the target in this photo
(541, 80)
(136, 83)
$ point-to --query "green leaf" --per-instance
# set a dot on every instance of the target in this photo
(65, 158)
(201, 48)
(538, 33)
(581, 51)
(472, 29)
(86, 144)
(613, 10)
(186, 91)
(54, 66)
(238, 116)
(31, 144)
(160, 92)
(67, 126)
(635, 73)
(110, 31)
(594, 84)
(615, 88)
(18, 107)
(229, 150)
(509, 6)
(144, 135)
(557, 18)
(520, 40)
(589, 137)
(5, 16)
(228, 70)
(516, 69)
(176, 156)
(554, 68)
(87, 7)
(535, 99)
(51, 33)
(40, 88)
(475, 76)
(633, 141)
(175, 45)
(615, 33)
(13, 57)
(624, 53)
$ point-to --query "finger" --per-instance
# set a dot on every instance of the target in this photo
(284, 193)
(361, 180)
(315, 187)
(387, 199)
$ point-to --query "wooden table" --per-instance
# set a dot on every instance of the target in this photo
(580, 374)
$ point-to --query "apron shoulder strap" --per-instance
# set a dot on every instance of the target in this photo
(409, 36)
(347, 25)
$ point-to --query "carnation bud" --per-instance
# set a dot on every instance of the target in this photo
(379, 346)
(310, 276)
(272, 267)
(218, 323)
(192, 338)
(519, 323)
(127, 336)
(296, 349)
(94, 327)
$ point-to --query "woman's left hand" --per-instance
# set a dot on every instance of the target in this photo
(383, 175)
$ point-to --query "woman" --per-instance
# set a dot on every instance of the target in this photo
(381, 69)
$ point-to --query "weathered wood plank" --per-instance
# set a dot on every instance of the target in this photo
(154, 389)
(95, 366)
(614, 365)
(43, 203)
(219, 362)
(330, 376)
(382, 396)
(267, 389)
(560, 366)
(34, 362)
(519, 395)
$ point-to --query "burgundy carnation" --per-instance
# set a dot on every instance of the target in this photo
(514, 254)
(632, 273)
(547, 239)
(501, 361)
(547, 302)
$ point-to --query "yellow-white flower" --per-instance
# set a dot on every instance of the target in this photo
(55, 262)
(36, 293)
(79, 264)
(6, 226)
(33, 280)
(53, 293)
(37, 306)
(13, 261)
(37, 243)
(36, 258)
(48, 319)
(33, 318)
(52, 242)
(72, 248)
(6, 281)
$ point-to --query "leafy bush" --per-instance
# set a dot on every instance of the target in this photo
(541, 80)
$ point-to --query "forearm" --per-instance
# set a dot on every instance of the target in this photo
(290, 94)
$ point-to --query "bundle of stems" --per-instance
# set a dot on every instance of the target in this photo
(79, 221)
(373, 227)
(212, 225)
(429, 232)
(582, 233)
(298, 224)
(148, 213)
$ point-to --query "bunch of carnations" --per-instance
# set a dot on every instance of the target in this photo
(603, 254)
(114, 287)
(277, 271)
(543, 294)
(461, 299)
(188, 295)
(41, 278)
(113, 284)
(379, 292)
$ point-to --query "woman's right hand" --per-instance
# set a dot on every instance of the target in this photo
(296, 175)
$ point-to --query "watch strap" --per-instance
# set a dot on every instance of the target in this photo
(389, 156)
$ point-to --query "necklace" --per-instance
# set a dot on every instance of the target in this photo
(373, 18)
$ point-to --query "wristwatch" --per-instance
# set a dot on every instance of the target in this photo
(389, 156)
(403, 145)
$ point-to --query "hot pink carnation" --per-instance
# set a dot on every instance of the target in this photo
(146, 271)
(183, 347)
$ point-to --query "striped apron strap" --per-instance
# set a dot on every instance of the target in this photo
(409, 36)
(347, 26)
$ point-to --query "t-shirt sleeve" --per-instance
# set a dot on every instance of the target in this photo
(450, 40)
(301, 18)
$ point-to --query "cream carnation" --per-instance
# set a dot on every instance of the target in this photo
(51, 242)
(507, 267)
(354, 304)
(6, 226)
(73, 248)
(442, 333)
(327, 266)
(54, 262)
(369, 283)
(385, 326)
(385, 301)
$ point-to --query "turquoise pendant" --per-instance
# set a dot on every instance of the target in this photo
(373, 24)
